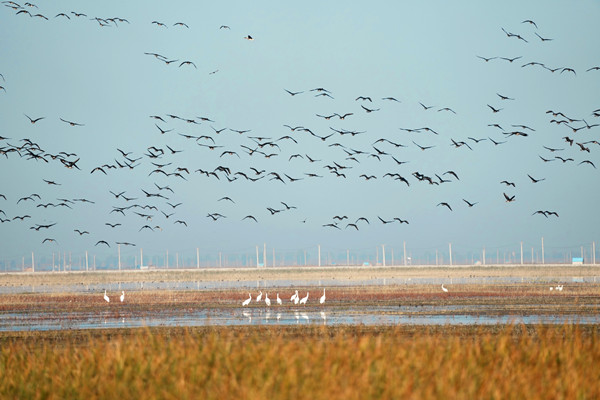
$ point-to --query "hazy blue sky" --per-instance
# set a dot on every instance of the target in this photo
(416, 52)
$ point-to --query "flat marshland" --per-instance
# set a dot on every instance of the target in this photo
(347, 362)
(307, 360)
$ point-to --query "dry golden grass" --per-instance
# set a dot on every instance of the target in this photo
(310, 362)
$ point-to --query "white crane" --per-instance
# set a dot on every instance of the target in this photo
(259, 297)
(106, 297)
(279, 300)
(444, 289)
(122, 297)
(267, 300)
(322, 299)
(247, 301)
(294, 297)
(304, 299)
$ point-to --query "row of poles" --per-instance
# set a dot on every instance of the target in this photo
(406, 260)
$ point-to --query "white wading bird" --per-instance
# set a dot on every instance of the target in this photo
(304, 299)
(122, 297)
(444, 289)
(294, 297)
(322, 299)
(247, 301)
(259, 297)
(267, 300)
(279, 300)
(106, 297)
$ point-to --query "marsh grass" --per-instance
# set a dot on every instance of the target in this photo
(304, 362)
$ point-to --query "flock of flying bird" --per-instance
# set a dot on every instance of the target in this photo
(155, 204)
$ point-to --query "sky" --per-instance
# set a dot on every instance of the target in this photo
(102, 74)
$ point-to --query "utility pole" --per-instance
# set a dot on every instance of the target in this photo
(141, 257)
(119, 252)
(383, 254)
(450, 249)
(593, 252)
(86, 262)
(404, 252)
(177, 259)
(392, 256)
(483, 256)
(319, 255)
(32, 262)
(264, 255)
(543, 262)
(52, 262)
(256, 256)
(197, 258)
(521, 253)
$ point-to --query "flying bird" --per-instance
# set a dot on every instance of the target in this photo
(71, 122)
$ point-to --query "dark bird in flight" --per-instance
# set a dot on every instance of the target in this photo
(292, 93)
(369, 110)
(511, 59)
(509, 199)
(528, 21)
(469, 203)
(391, 99)
(423, 147)
(384, 221)
(159, 24)
(495, 110)
(587, 162)
(180, 222)
(451, 173)
(181, 24)
(564, 160)
(49, 240)
(495, 143)
(363, 98)
(487, 59)
(71, 122)
(504, 97)
(81, 233)
(112, 225)
(542, 38)
(102, 242)
(32, 120)
(162, 131)
(188, 63)
(535, 180)
(248, 37)
(445, 205)
(507, 183)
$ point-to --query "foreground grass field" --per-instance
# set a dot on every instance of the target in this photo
(304, 363)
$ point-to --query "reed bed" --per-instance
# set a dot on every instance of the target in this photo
(304, 362)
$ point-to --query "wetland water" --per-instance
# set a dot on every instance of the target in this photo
(485, 300)
(237, 316)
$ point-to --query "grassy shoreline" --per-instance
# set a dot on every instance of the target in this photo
(350, 362)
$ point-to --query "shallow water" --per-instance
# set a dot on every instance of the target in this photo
(255, 316)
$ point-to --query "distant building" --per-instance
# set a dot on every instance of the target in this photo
(577, 260)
